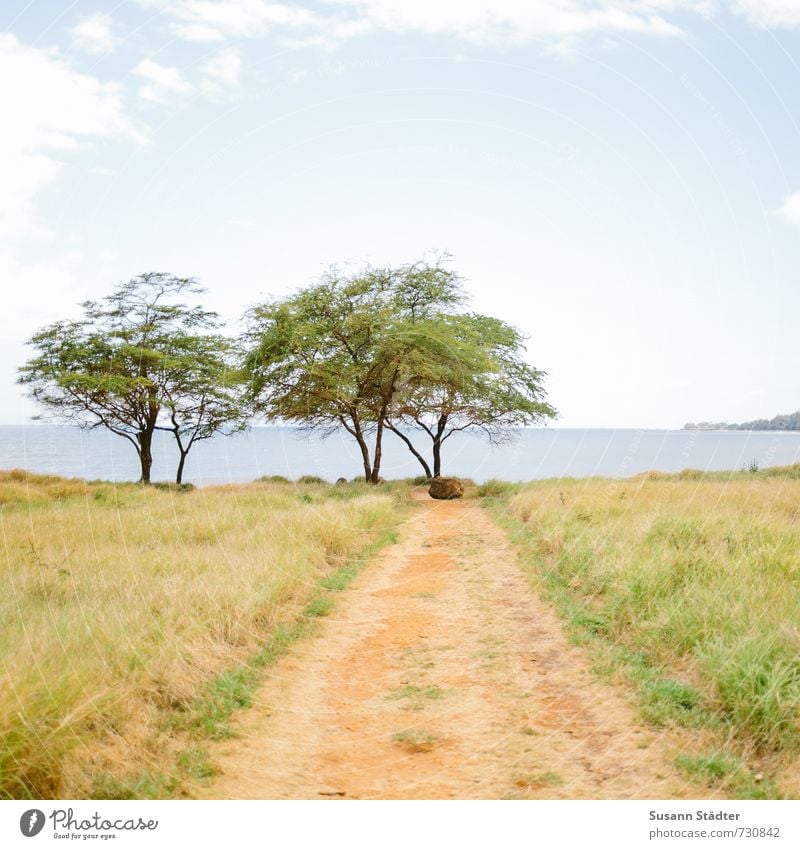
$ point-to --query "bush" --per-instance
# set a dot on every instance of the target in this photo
(494, 489)
(173, 487)
(311, 479)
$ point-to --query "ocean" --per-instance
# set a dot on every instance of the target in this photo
(535, 453)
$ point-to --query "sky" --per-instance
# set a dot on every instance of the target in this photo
(619, 179)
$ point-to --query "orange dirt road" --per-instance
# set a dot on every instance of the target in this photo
(441, 674)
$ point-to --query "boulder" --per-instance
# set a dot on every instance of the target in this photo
(446, 488)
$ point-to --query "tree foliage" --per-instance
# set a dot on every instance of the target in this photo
(784, 421)
(485, 386)
(392, 349)
(134, 356)
(337, 353)
(204, 396)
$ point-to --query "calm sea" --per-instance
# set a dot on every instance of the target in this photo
(536, 453)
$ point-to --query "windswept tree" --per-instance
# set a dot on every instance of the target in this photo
(484, 386)
(337, 353)
(204, 396)
(125, 363)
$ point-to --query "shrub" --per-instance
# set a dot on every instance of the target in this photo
(494, 489)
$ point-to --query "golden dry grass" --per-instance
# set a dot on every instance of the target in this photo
(696, 579)
(118, 603)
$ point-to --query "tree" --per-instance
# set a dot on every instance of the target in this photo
(336, 353)
(116, 367)
(485, 385)
(203, 397)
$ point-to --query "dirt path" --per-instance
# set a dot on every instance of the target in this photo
(440, 674)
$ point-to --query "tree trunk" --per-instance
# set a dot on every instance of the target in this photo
(176, 432)
(145, 455)
(179, 475)
(426, 468)
(437, 445)
(362, 444)
(352, 424)
(376, 466)
(437, 458)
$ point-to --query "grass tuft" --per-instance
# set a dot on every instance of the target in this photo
(416, 739)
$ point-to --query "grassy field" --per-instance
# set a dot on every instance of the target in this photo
(134, 620)
(689, 585)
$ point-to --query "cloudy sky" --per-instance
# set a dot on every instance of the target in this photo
(618, 178)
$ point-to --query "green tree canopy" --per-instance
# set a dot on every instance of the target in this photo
(204, 395)
(132, 357)
(391, 349)
(336, 353)
(485, 386)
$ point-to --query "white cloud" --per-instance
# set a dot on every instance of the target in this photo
(511, 21)
(492, 22)
(161, 81)
(52, 109)
(770, 13)
(223, 69)
(498, 21)
(791, 209)
(94, 34)
(215, 20)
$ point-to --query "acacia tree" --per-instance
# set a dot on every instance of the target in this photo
(115, 367)
(336, 353)
(204, 396)
(485, 385)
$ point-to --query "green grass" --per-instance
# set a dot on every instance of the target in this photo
(321, 606)
(416, 739)
(340, 579)
(495, 489)
(720, 770)
(134, 621)
(195, 763)
(147, 785)
(543, 779)
(689, 586)
(416, 696)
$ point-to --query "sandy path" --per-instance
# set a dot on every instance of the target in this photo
(440, 674)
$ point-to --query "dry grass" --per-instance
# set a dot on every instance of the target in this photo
(119, 603)
(696, 580)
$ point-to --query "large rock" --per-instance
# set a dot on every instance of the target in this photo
(445, 488)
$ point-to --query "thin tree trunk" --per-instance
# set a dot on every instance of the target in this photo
(437, 458)
(376, 466)
(362, 444)
(179, 475)
(422, 461)
(176, 432)
(437, 445)
(145, 455)
(353, 427)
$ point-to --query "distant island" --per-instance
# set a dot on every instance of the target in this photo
(790, 421)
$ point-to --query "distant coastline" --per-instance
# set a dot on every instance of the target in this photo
(784, 422)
